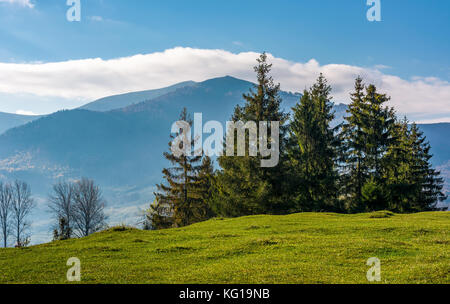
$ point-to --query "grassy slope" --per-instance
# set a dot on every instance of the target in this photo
(299, 248)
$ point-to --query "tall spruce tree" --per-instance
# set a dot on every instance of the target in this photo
(243, 187)
(398, 173)
(378, 128)
(367, 135)
(354, 172)
(184, 193)
(313, 150)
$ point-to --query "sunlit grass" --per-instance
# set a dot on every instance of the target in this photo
(298, 248)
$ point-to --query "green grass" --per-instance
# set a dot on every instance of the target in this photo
(298, 248)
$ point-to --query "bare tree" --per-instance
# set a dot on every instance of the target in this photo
(88, 214)
(22, 205)
(6, 200)
(61, 205)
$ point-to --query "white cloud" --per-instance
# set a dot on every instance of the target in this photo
(433, 120)
(89, 79)
(23, 112)
(25, 3)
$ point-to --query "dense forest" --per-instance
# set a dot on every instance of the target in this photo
(373, 161)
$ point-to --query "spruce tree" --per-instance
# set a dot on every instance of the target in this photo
(367, 135)
(354, 172)
(243, 187)
(313, 150)
(378, 130)
(183, 191)
(398, 173)
(427, 181)
(205, 186)
(159, 216)
(413, 184)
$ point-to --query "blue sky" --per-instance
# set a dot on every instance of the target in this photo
(411, 41)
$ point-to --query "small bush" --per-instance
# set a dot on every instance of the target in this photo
(120, 228)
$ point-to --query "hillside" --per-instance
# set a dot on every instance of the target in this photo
(9, 120)
(298, 248)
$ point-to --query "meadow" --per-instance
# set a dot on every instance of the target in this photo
(298, 248)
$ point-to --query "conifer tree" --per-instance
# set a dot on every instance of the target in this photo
(412, 183)
(313, 150)
(159, 216)
(367, 135)
(427, 181)
(378, 126)
(243, 187)
(398, 173)
(205, 186)
(184, 191)
(354, 172)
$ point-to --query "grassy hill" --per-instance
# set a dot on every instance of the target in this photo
(298, 248)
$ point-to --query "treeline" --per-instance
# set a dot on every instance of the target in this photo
(372, 161)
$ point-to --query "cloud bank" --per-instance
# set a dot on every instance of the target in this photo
(25, 3)
(90, 79)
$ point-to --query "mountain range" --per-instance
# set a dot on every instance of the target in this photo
(119, 140)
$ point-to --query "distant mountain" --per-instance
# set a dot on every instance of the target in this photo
(439, 136)
(122, 149)
(123, 100)
(9, 120)
(118, 147)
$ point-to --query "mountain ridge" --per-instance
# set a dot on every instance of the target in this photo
(10, 120)
(122, 100)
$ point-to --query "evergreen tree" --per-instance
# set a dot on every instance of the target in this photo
(313, 150)
(378, 129)
(427, 181)
(159, 216)
(398, 174)
(206, 179)
(243, 187)
(412, 183)
(184, 191)
(354, 171)
(367, 135)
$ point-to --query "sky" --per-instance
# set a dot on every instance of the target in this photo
(48, 63)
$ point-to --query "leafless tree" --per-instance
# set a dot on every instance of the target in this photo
(88, 208)
(22, 205)
(6, 200)
(61, 205)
